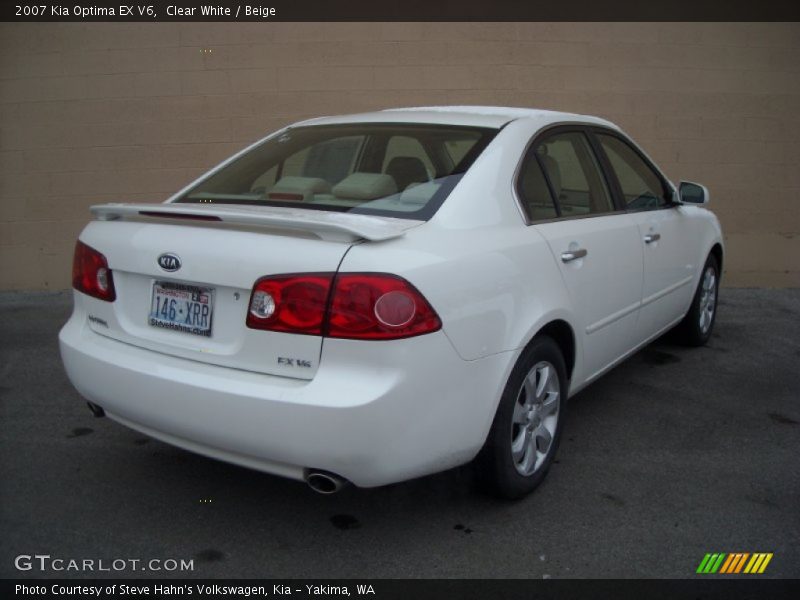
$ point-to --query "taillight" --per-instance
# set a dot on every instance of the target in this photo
(291, 303)
(361, 306)
(376, 306)
(90, 273)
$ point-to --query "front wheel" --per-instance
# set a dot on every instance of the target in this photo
(695, 329)
(527, 426)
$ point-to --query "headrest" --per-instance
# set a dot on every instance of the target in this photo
(407, 170)
(298, 189)
(365, 186)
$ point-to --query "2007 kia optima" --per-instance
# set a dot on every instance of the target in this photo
(374, 297)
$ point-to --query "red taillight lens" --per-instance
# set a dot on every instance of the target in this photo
(362, 306)
(376, 306)
(291, 303)
(90, 273)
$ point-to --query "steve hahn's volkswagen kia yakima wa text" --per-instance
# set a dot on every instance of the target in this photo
(375, 297)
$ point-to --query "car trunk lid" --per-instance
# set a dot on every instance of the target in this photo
(198, 310)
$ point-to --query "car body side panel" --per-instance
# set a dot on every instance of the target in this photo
(605, 286)
(670, 263)
(493, 291)
(708, 233)
(492, 279)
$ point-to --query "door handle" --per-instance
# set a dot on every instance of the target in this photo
(571, 255)
(652, 237)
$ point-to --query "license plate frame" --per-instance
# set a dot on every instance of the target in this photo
(181, 307)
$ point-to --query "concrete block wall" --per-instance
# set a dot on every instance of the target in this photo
(131, 112)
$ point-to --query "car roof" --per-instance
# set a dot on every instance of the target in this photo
(477, 116)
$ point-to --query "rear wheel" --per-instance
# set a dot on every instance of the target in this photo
(696, 327)
(527, 427)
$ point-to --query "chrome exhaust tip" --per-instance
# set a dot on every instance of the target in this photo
(323, 482)
(97, 411)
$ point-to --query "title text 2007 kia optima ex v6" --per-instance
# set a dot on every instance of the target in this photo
(375, 297)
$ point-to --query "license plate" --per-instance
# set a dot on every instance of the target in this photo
(182, 307)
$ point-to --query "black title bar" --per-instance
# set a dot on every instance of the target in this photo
(711, 588)
(405, 10)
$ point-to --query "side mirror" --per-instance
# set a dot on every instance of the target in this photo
(693, 193)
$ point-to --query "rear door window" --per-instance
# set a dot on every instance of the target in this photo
(573, 175)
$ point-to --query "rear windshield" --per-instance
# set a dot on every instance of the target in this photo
(391, 170)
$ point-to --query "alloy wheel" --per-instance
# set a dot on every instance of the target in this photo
(535, 418)
(708, 299)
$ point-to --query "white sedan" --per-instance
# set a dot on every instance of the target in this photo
(375, 297)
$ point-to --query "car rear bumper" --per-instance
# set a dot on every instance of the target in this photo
(375, 412)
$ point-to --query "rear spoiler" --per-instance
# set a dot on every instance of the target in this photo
(332, 226)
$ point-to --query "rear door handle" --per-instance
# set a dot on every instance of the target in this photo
(571, 255)
(652, 237)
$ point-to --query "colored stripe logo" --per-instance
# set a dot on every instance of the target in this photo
(734, 563)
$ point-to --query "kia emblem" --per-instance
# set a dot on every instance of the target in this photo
(169, 262)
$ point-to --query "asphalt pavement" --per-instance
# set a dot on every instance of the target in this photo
(676, 453)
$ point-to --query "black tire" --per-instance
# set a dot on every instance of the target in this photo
(499, 471)
(697, 325)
